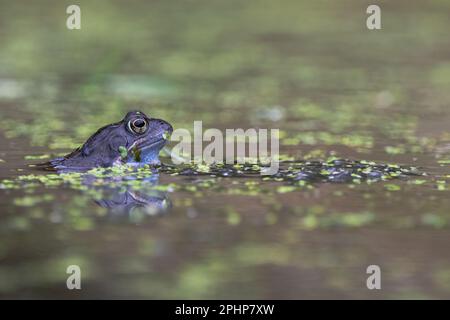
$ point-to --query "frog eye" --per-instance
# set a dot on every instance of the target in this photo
(138, 125)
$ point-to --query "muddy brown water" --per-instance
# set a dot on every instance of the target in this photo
(312, 70)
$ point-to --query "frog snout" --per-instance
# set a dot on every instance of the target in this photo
(162, 125)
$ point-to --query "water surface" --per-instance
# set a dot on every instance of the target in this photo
(311, 69)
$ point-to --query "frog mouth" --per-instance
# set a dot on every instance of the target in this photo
(144, 144)
(143, 150)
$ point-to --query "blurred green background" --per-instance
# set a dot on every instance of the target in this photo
(310, 68)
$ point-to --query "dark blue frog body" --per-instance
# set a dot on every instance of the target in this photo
(136, 140)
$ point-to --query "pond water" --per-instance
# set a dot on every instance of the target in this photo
(312, 70)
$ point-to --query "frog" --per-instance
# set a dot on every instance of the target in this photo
(136, 140)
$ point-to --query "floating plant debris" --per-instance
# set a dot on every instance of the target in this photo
(334, 170)
(294, 173)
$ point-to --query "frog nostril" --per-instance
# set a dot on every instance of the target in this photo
(168, 127)
(164, 124)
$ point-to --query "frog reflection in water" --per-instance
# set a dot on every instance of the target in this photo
(129, 203)
(123, 204)
(136, 140)
(126, 202)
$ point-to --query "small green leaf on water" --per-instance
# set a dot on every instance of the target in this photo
(444, 162)
(203, 168)
(394, 150)
(83, 224)
(233, 217)
(123, 152)
(433, 220)
(285, 189)
(29, 201)
(310, 222)
(37, 157)
(357, 219)
(441, 185)
(392, 187)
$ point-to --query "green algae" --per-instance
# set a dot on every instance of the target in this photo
(293, 176)
(123, 152)
(29, 201)
(392, 187)
(37, 157)
(333, 220)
